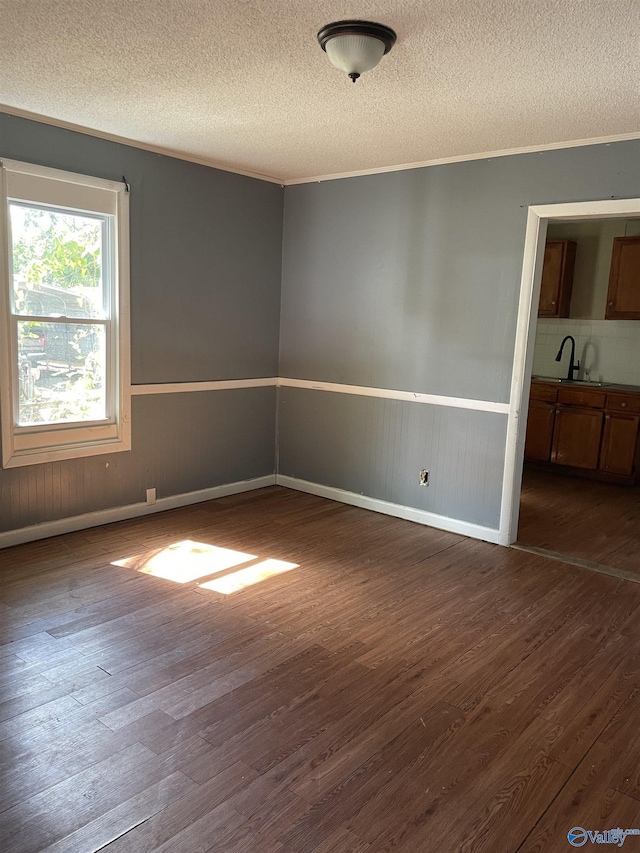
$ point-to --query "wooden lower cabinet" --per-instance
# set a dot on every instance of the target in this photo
(619, 439)
(584, 428)
(539, 431)
(576, 437)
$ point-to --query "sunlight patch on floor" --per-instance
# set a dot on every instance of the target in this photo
(243, 578)
(186, 561)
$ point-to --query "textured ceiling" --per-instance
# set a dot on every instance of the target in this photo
(246, 86)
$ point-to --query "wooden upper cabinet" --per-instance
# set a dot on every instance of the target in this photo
(557, 278)
(623, 297)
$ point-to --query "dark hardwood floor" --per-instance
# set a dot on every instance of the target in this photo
(585, 519)
(383, 687)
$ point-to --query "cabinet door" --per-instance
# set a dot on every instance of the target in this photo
(619, 443)
(623, 298)
(539, 431)
(557, 278)
(576, 437)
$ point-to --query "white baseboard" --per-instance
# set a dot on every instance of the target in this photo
(120, 513)
(421, 516)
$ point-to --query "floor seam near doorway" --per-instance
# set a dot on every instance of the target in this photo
(577, 561)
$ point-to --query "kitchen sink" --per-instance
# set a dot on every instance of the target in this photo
(584, 382)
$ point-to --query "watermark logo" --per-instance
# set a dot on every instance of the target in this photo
(578, 836)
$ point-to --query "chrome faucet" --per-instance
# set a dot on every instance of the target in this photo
(574, 366)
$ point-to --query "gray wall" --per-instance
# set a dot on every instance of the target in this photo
(410, 281)
(407, 280)
(206, 250)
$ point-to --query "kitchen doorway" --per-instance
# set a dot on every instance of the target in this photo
(562, 497)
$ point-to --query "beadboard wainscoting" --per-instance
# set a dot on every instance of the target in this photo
(426, 426)
(185, 445)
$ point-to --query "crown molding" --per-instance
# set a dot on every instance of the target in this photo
(463, 158)
(377, 170)
(133, 143)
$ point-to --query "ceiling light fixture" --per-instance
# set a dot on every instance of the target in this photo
(356, 46)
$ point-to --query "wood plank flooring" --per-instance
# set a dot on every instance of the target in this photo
(396, 688)
(599, 522)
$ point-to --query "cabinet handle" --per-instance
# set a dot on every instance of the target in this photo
(553, 302)
(609, 304)
(624, 405)
(607, 417)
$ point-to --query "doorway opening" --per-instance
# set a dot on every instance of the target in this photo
(573, 449)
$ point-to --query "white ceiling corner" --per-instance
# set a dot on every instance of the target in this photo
(245, 85)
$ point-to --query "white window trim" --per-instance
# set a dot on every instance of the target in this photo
(66, 441)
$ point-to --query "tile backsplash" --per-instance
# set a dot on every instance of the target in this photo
(608, 350)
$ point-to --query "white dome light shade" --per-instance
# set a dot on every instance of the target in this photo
(356, 46)
(355, 54)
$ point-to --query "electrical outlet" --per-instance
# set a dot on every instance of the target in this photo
(424, 477)
(151, 497)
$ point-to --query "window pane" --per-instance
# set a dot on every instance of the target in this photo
(62, 372)
(57, 262)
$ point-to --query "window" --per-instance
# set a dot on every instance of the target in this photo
(64, 319)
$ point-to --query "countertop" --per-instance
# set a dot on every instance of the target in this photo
(581, 383)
